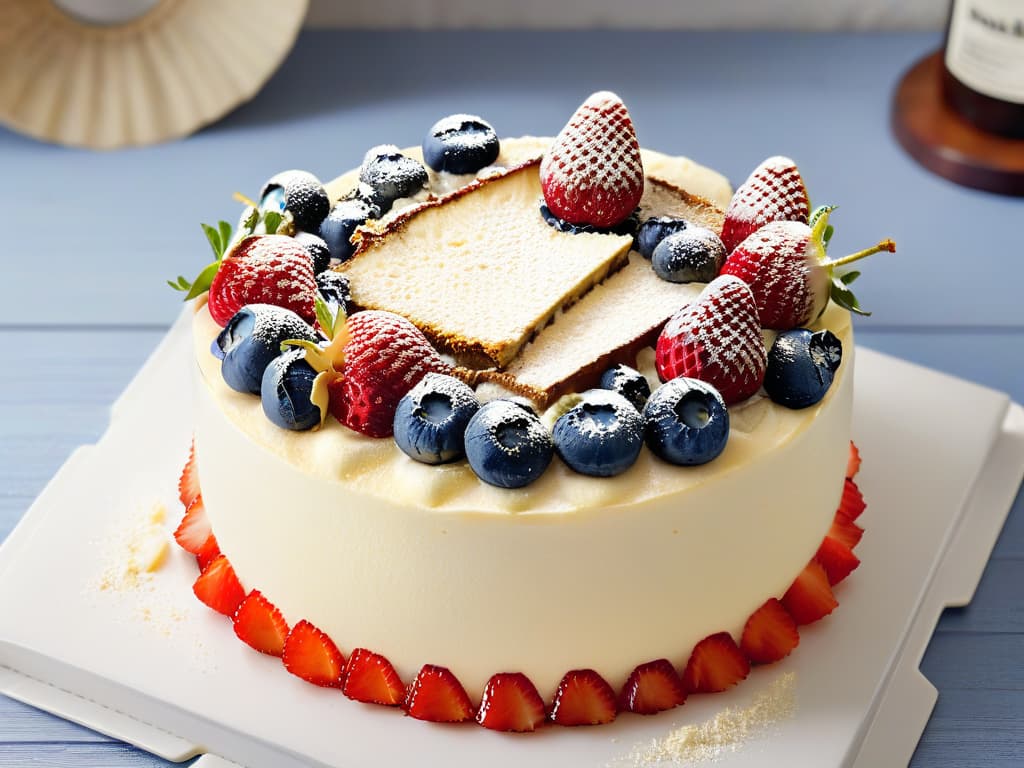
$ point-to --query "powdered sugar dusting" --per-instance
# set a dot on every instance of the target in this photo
(593, 173)
(775, 191)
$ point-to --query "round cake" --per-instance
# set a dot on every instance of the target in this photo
(571, 577)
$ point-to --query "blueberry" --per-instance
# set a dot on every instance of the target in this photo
(215, 349)
(654, 230)
(507, 446)
(301, 193)
(430, 421)
(392, 175)
(252, 338)
(625, 227)
(601, 435)
(692, 255)
(801, 365)
(286, 391)
(460, 144)
(317, 249)
(628, 382)
(339, 226)
(686, 422)
(334, 289)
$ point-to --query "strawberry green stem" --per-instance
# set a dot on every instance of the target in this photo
(884, 245)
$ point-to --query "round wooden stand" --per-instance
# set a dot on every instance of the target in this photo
(944, 142)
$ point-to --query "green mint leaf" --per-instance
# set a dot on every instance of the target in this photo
(844, 297)
(225, 236)
(271, 221)
(204, 280)
(849, 277)
(324, 316)
(214, 237)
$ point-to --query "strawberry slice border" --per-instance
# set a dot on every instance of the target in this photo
(841, 515)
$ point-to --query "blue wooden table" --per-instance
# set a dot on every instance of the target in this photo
(90, 237)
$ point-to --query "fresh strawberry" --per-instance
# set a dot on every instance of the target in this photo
(770, 634)
(592, 174)
(845, 530)
(716, 664)
(775, 191)
(717, 339)
(652, 687)
(260, 625)
(837, 559)
(853, 463)
(313, 656)
(436, 695)
(385, 357)
(263, 269)
(194, 530)
(583, 698)
(785, 266)
(218, 587)
(207, 553)
(188, 483)
(852, 504)
(510, 703)
(369, 677)
(810, 596)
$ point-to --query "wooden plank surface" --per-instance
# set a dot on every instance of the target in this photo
(97, 232)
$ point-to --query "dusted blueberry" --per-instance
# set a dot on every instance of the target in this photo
(317, 249)
(460, 144)
(215, 349)
(430, 421)
(301, 194)
(287, 390)
(628, 382)
(801, 366)
(506, 445)
(392, 175)
(694, 255)
(686, 422)
(252, 338)
(334, 289)
(625, 227)
(654, 230)
(339, 226)
(601, 435)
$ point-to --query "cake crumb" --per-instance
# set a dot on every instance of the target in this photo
(727, 732)
(140, 551)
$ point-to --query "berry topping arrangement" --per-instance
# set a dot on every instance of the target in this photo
(296, 334)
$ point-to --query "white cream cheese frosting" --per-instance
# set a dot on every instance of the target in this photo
(428, 564)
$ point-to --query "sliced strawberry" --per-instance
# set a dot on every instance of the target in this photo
(219, 588)
(194, 530)
(770, 634)
(583, 698)
(774, 191)
(810, 597)
(369, 677)
(260, 625)
(510, 703)
(207, 553)
(837, 559)
(852, 504)
(845, 530)
(264, 269)
(853, 463)
(716, 664)
(188, 483)
(436, 695)
(652, 687)
(593, 174)
(716, 338)
(313, 656)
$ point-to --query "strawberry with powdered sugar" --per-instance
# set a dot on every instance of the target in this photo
(774, 191)
(592, 174)
(717, 339)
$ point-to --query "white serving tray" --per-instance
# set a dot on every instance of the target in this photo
(157, 669)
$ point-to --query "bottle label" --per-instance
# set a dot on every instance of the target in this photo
(985, 50)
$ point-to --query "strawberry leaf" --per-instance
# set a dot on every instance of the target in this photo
(213, 236)
(204, 280)
(181, 284)
(225, 235)
(844, 297)
(249, 225)
(271, 221)
(324, 315)
(849, 277)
